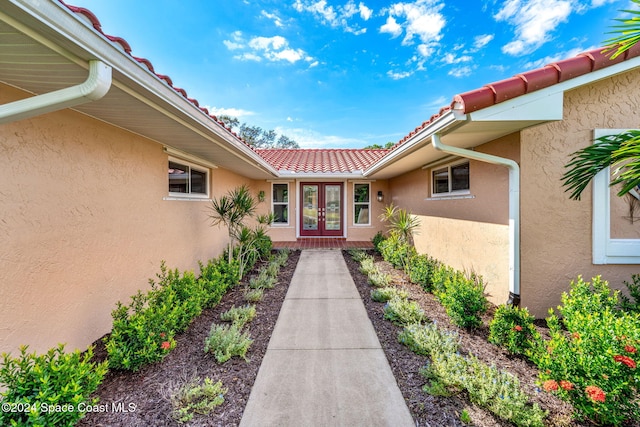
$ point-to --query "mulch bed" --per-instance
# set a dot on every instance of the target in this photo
(434, 411)
(148, 390)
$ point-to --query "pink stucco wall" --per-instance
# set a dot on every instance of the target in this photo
(84, 224)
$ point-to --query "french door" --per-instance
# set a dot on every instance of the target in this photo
(322, 209)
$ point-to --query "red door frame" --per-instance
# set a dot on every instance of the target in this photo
(321, 231)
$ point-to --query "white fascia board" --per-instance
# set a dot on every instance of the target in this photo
(537, 107)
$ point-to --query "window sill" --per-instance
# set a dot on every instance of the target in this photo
(452, 197)
(274, 225)
(363, 225)
(188, 199)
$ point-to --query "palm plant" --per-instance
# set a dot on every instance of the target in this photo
(401, 222)
(230, 210)
(620, 152)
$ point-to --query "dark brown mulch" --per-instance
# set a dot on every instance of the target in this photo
(146, 393)
(434, 411)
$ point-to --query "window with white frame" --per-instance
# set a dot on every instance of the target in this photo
(187, 179)
(280, 203)
(361, 203)
(450, 179)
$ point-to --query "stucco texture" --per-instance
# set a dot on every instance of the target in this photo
(556, 231)
(84, 224)
(470, 234)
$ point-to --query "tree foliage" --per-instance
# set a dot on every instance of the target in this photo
(256, 136)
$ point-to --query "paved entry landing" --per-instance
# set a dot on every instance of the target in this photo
(324, 365)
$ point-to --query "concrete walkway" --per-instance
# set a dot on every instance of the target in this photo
(324, 365)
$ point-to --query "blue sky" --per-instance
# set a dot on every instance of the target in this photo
(346, 74)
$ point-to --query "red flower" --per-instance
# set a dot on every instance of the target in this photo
(166, 345)
(575, 335)
(625, 360)
(162, 335)
(595, 393)
(517, 328)
(630, 349)
(550, 385)
(566, 385)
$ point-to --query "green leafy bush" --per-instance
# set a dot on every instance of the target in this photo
(226, 341)
(367, 265)
(427, 339)
(197, 397)
(591, 358)
(464, 299)
(272, 269)
(217, 276)
(397, 251)
(513, 329)
(379, 279)
(357, 254)
(440, 276)
(281, 257)
(262, 281)
(387, 293)
(632, 302)
(239, 316)
(401, 311)
(377, 240)
(421, 271)
(40, 387)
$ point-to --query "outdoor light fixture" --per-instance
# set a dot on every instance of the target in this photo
(380, 196)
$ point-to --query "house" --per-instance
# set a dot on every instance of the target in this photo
(109, 168)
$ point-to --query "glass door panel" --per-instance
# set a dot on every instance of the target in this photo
(333, 206)
(310, 208)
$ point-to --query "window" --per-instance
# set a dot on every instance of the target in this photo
(450, 179)
(280, 203)
(361, 202)
(186, 179)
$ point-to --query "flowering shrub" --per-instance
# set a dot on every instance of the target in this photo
(512, 328)
(591, 358)
(56, 379)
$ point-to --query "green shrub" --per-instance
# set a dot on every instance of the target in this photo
(421, 271)
(357, 254)
(427, 339)
(36, 385)
(488, 387)
(253, 295)
(272, 269)
(226, 341)
(262, 281)
(401, 312)
(143, 332)
(397, 251)
(591, 358)
(216, 277)
(632, 302)
(439, 277)
(281, 257)
(464, 299)
(387, 293)
(512, 328)
(239, 316)
(377, 240)
(379, 279)
(196, 397)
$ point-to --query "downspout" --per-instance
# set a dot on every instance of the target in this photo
(514, 208)
(95, 87)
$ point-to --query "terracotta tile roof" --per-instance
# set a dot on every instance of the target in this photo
(321, 160)
(147, 64)
(527, 82)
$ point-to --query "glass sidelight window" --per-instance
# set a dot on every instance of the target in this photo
(280, 203)
(361, 204)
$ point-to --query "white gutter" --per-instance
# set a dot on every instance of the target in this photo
(514, 208)
(95, 87)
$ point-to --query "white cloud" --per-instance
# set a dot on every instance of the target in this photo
(450, 58)
(275, 18)
(391, 27)
(461, 72)
(232, 112)
(534, 21)
(399, 75)
(273, 49)
(311, 139)
(481, 41)
(337, 17)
